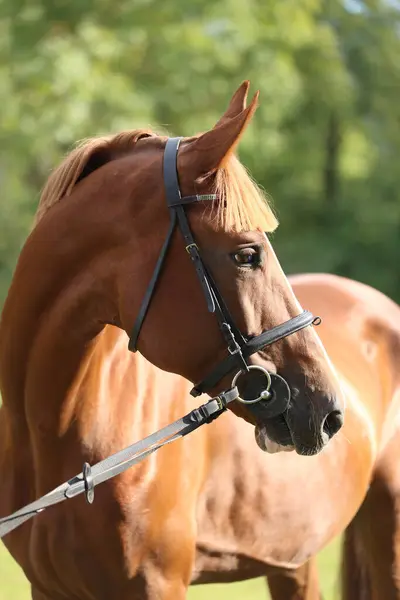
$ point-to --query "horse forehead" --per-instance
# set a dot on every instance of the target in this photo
(205, 228)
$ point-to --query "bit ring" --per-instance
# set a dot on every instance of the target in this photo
(265, 394)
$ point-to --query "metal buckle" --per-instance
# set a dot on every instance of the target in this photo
(220, 402)
(190, 246)
(265, 394)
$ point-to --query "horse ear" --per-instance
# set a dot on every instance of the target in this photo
(208, 152)
(237, 103)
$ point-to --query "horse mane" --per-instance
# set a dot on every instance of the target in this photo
(241, 205)
(87, 156)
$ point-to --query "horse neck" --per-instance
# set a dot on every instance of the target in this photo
(64, 372)
(43, 338)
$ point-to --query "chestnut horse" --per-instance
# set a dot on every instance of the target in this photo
(211, 507)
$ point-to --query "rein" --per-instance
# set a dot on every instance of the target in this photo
(117, 463)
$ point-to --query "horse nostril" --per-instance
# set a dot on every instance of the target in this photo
(332, 423)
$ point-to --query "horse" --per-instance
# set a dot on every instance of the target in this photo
(217, 504)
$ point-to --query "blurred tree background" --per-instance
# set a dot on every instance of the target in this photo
(325, 141)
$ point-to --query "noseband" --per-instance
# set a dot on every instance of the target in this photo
(275, 393)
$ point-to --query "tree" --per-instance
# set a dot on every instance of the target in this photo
(325, 139)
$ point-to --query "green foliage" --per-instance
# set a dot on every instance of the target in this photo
(324, 142)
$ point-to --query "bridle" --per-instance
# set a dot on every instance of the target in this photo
(274, 396)
(239, 347)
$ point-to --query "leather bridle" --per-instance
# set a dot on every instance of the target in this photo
(239, 347)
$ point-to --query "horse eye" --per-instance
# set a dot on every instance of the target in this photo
(248, 257)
